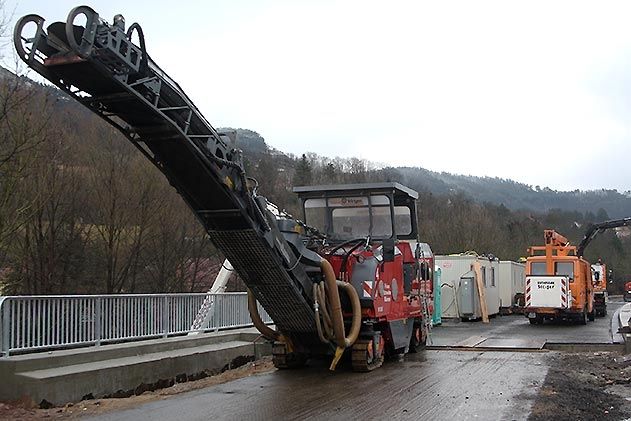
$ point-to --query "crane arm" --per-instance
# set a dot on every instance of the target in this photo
(595, 229)
(555, 239)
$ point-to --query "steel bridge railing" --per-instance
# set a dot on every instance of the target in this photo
(37, 323)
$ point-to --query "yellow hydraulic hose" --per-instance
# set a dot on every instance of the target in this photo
(356, 320)
(323, 327)
(333, 296)
(265, 330)
(334, 313)
(328, 306)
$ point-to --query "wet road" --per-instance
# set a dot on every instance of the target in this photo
(436, 385)
(518, 328)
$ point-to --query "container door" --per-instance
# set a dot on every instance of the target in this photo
(466, 297)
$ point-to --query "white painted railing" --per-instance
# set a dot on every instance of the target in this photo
(33, 323)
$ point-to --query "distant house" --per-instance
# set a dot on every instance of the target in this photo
(623, 232)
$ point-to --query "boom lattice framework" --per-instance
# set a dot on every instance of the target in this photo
(102, 68)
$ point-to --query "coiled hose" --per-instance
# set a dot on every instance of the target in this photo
(328, 307)
(328, 312)
(258, 322)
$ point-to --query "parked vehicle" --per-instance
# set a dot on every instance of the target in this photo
(558, 283)
(627, 291)
(599, 279)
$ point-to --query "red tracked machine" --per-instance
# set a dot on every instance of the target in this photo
(372, 246)
(353, 279)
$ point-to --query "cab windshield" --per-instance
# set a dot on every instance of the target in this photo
(564, 269)
(538, 268)
(346, 218)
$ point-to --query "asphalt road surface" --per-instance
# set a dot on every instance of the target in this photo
(437, 385)
(434, 384)
(517, 328)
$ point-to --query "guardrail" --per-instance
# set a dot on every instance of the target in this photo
(35, 323)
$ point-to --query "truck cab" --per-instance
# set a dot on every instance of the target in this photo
(382, 215)
(558, 282)
(346, 211)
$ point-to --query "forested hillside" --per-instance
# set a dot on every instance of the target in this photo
(450, 219)
(81, 211)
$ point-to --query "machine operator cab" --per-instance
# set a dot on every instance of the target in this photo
(379, 211)
(382, 214)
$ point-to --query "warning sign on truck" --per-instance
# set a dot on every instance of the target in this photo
(547, 291)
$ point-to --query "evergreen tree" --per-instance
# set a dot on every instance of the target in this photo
(329, 173)
(602, 215)
(302, 176)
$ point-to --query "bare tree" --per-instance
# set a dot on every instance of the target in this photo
(49, 248)
(178, 251)
(123, 199)
(24, 127)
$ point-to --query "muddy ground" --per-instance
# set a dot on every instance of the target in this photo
(589, 386)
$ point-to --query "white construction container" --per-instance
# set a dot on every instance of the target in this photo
(455, 267)
(511, 280)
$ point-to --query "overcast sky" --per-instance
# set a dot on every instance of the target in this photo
(535, 91)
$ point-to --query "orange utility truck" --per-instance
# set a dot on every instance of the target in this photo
(599, 279)
(627, 292)
(558, 282)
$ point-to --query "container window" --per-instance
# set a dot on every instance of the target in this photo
(492, 277)
(483, 270)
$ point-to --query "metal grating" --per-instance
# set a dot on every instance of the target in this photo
(259, 268)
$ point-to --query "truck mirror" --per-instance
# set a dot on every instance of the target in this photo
(388, 250)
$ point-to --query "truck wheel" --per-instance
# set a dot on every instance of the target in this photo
(582, 319)
(538, 320)
(418, 339)
(592, 316)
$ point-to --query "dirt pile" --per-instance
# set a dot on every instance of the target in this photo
(585, 386)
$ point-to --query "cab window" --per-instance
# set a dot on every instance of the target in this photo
(564, 269)
(402, 220)
(538, 268)
(345, 218)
